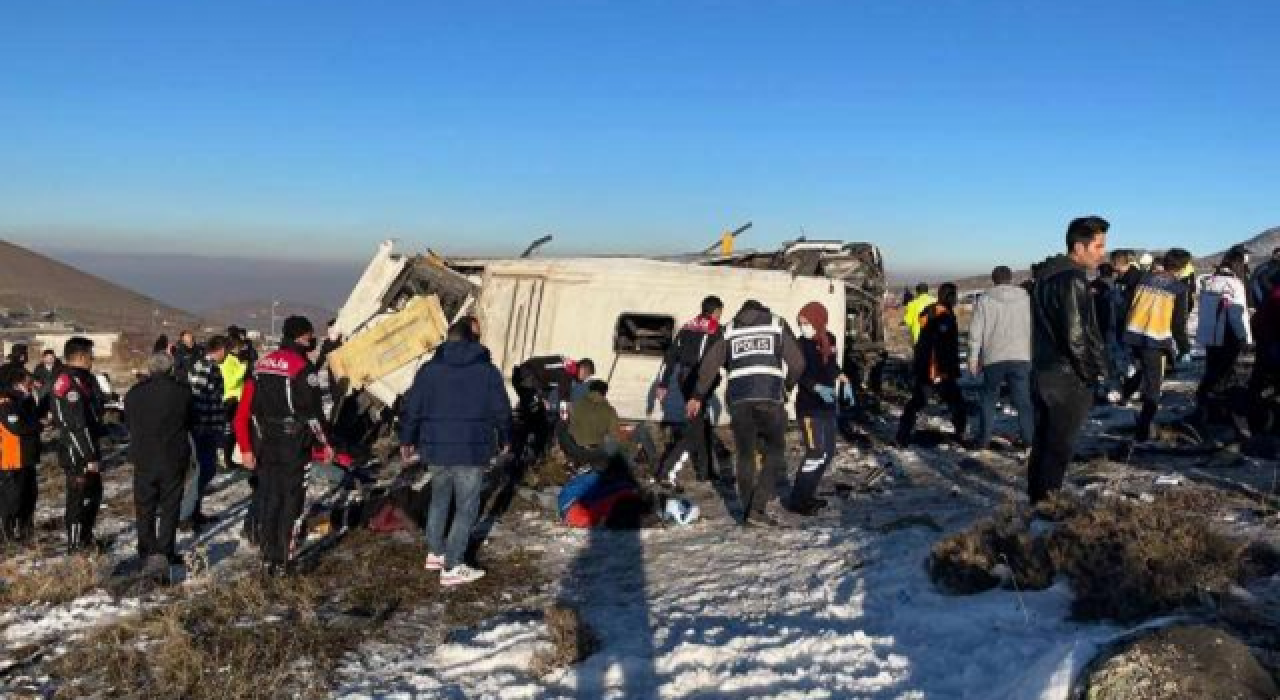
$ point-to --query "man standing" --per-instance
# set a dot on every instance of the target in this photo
(681, 368)
(911, 315)
(45, 372)
(540, 381)
(936, 368)
(279, 422)
(457, 416)
(763, 362)
(1224, 330)
(19, 455)
(77, 415)
(1156, 333)
(209, 427)
(185, 355)
(234, 371)
(1067, 353)
(1000, 352)
(158, 414)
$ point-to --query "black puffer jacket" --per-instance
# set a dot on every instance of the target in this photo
(1065, 336)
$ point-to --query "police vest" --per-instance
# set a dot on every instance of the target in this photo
(755, 363)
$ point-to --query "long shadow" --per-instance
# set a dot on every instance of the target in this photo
(607, 581)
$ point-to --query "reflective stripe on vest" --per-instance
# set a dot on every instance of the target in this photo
(755, 369)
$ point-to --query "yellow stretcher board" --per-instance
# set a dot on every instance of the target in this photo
(416, 330)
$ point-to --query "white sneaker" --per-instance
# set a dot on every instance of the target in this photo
(435, 562)
(459, 575)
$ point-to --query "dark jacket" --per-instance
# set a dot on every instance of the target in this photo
(158, 413)
(457, 412)
(184, 358)
(281, 413)
(718, 356)
(209, 414)
(818, 370)
(1065, 336)
(1105, 304)
(21, 423)
(45, 375)
(1126, 286)
(937, 351)
(547, 374)
(77, 414)
(684, 357)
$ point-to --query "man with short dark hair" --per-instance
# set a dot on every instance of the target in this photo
(77, 415)
(1000, 352)
(158, 413)
(680, 367)
(1068, 356)
(763, 363)
(280, 423)
(45, 372)
(1156, 333)
(458, 417)
(209, 428)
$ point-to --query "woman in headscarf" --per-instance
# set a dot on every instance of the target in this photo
(816, 406)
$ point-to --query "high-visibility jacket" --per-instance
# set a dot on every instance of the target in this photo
(912, 314)
(234, 371)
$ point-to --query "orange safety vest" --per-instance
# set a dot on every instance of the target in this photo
(10, 450)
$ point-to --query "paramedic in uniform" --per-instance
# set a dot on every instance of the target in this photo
(763, 362)
(77, 414)
(279, 422)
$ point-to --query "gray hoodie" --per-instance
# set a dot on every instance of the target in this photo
(1001, 326)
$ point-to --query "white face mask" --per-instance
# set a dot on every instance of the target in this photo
(807, 331)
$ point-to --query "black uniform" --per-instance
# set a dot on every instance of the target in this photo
(158, 411)
(1068, 358)
(536, 380)
(19, 458)
(936, 370)
(680, 367)
(77, 413)
(285, 407)
(753, 351)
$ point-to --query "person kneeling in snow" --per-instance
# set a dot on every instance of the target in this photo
(458, 416)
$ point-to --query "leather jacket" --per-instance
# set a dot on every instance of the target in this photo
(1065, 335)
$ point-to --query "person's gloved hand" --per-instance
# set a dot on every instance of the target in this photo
(846, 394)
(826, 393)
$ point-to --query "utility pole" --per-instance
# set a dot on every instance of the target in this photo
(271, 337)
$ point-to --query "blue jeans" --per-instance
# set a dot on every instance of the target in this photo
(459, 486)
(207, 458)
(1018, 375)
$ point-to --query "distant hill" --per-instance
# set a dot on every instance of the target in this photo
(255, 315)
(30, 281)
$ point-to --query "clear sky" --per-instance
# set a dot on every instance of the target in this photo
(951, 133)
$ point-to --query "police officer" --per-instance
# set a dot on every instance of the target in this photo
(680, 367)
(77, 414)
(763, 362)
(279, 423)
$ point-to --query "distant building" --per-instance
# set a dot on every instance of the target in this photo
(104, 344)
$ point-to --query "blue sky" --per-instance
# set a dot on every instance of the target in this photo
(954, 134)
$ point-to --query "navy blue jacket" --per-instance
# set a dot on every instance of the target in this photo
(457, 413)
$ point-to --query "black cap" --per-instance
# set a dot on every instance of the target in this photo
(295, 327)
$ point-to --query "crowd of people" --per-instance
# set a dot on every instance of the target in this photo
(1062, 342)
(1057, 343)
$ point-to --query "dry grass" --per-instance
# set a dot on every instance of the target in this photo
(1125, 561)
(572, 641)
(54, 580)
(256, 638)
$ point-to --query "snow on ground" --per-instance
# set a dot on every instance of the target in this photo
(836, 608)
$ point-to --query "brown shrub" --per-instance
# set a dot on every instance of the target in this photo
(966, 562)
(572, 641)
(54, 581)
(1129, 561)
